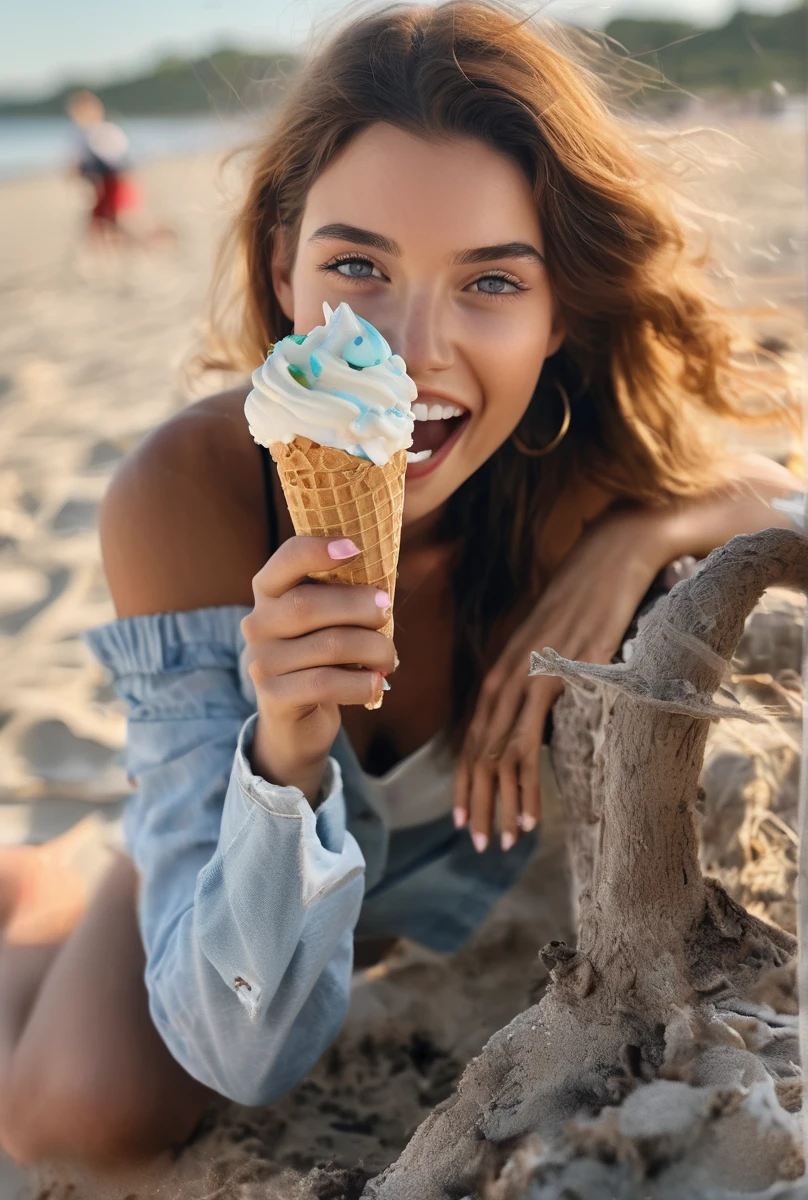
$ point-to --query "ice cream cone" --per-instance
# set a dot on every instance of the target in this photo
(331, 493)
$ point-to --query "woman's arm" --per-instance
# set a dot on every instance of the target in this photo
(248, 898)
(583, 613)
(743, 505)
(248, 894)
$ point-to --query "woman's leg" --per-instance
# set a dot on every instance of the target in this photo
(84, 1075)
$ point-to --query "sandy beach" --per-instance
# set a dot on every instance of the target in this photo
(91, 352)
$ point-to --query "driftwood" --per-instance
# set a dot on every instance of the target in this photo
(650, 1048)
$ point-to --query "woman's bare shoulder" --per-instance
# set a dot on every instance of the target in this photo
(182, 524)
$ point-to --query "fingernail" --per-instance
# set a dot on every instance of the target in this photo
(382, 600)
(508, 840)
(344, 548)
(528, 822)
(459, 816)
(480, 841)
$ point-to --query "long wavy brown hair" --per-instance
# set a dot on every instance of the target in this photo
(649, 358)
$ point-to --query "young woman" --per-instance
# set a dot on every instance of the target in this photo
(452, 174)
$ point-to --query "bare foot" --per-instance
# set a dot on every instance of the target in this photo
(45, 890)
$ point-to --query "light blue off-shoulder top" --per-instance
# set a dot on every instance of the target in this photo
(249, 898)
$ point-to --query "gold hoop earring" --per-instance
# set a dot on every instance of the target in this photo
(565, 424)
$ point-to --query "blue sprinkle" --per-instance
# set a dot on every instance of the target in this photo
(374, 349)
(316, 365)
(358, 404)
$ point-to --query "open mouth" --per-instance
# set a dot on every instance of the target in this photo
(436, 425)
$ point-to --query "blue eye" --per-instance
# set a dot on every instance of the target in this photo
(356, 268)
(500, 285)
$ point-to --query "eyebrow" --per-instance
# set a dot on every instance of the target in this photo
(385, 245)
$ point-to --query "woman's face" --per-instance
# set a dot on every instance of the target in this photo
(437, 244)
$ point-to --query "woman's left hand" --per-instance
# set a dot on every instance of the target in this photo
(583, 614)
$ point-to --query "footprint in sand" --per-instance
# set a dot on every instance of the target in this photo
(22, 588)
(103, 455)
(55, 753)
(25, 593)
(75, 516)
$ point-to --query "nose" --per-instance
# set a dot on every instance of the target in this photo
(420, 331)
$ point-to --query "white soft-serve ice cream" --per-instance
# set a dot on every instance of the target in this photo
(340, 385)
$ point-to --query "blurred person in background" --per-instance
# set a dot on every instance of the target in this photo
(102, 158)
(453, 173)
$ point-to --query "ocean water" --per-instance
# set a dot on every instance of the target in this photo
(33, 145)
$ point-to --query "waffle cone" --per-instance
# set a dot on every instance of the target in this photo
(331, 493)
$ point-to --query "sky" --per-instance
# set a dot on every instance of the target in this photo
(50, 42)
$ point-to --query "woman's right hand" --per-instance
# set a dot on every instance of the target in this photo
(303, 638)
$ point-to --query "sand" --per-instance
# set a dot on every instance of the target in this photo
(89, 358)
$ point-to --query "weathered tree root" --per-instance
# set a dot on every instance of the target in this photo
(654, 1004)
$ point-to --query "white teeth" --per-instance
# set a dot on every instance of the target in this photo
(436, 412)
(412, 456)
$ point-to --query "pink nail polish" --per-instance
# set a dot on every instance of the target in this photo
(480, 841)
(528, 822)
(382, 600)
(508, 841)
(344, 548)
(459, 816)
